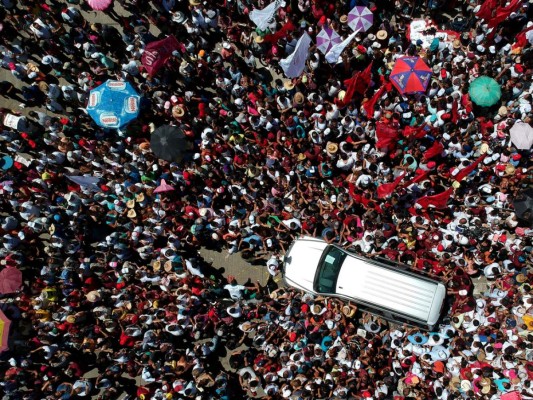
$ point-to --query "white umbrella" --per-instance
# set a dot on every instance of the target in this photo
(522, 135)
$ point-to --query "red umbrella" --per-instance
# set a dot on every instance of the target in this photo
(163, 187)
(410, 75)
(10, 280)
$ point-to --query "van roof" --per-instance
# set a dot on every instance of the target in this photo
(396, 290)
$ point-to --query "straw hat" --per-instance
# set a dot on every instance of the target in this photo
(130, 203)
(341, 95)
(299, 98)
(139, 197)
(348, 311)
(502, 111)
(43, 86)
(178, 112)
(288, 85)
(510, 169)
(484, 148)
(301, 157)
(466, 385)
(343, 19)
(316, 309)
(259, 39)
(168, 266)
(381, 35)
(132, 213)
(456, 44)
(144, 146)
(71, 319)
(156, 265)
(93, 296)
(332, 148)
(194, 2)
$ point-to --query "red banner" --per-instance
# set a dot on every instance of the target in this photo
(438, 201)
(385, 189)
(466, 171)
(157, 53)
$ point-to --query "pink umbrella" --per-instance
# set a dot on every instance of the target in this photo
(99, 5)
(10, 280)
(163, 187)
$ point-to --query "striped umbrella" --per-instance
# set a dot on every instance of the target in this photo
(410, 75)
(360, 18)
(326, 39)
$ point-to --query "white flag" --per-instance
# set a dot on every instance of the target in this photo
(263, 18)
(294, 65)
(334, 53)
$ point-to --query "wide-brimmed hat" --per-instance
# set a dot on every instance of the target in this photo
(299, 98)
(456, 44)
(93, 296)
(348, 311)
(316, 309)
(194, 2)
(179, 17)
(301, 157)
(343, 19)
(382, 34)
(502, 111)
(226, 45)
(139, 197)
(288, 85)
(130, 203)
(156, 266)
(178, 112)
(341, 95)
(132, 213)
(259, 39)
(168, 266)
(332, 148)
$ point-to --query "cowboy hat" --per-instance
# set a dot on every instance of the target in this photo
(299, 98)
(139, 197)
(341, 95)
(259, 39)
(332, 147)
(456, 44)
(348, 311)
(132, 213)
(343, 19)
(156, 266)
(168, 266)
(194, 2)
(381, 35)
(288, 85)
(93, 296)
(130, 203)
(178, 112)
(301, 157)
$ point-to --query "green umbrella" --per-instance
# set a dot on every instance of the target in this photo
(485, 91)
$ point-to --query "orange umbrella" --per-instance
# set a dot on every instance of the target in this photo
(4, 331)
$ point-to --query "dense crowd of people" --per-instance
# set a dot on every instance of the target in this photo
(113, 280)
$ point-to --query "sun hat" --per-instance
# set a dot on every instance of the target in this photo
(93, 296)
(343, 19)
(348, 311)
(178, 112)
(382, 34)
(132, 213)
(289, 85)
(371, 37)
(341, 95)
(332, 148)
(194, 2)
(130, 203)
(259, 39)
(299, 98)
(226, 45)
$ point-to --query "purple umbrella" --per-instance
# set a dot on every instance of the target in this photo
(326, 39)
(360, 18)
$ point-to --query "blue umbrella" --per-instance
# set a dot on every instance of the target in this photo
(113, 104)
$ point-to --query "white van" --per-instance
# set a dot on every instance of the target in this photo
(380, 287)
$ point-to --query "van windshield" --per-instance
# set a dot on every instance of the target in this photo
(328, 270)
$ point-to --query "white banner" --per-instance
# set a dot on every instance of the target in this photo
(334, 53)
(263, 18)
(12, 121)
(294, 65)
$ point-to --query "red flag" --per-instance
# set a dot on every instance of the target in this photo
(434, 150)
(386, 189)
(466, 171)
(415, 132)
(502, 13)
(369, 105)
(386, 135)
(157, 53)
(437, 201)
(418, 178)
(521, 38)
(358, 83)
(485, 11)
(455, 112)
(285, 29)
